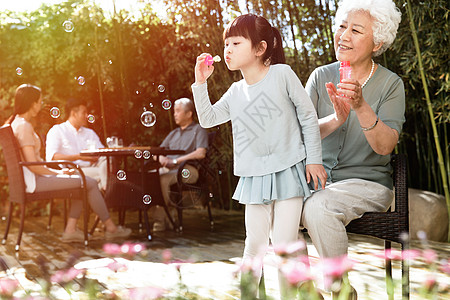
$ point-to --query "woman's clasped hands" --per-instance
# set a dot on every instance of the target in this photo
(347, 96)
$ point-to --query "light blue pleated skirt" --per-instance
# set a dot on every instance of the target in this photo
(281, 185)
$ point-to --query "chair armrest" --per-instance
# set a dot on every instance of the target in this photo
(57, 163)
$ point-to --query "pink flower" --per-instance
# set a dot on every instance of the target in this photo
(429, 255)
(296, 272)
(166, 256)
(64, 276)
(445, 266)
(112, 249)
(337, 266)
(251, 265)
(8, 286)
(429, 282)
(130, 249)
(116, 266)
(398, 255)
(410, 254)
(287, 249)
(389, 254)
(177, 263)
(144, 293)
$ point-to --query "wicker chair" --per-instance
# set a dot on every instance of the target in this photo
(17, 188)
(200, 187)
(390, 225)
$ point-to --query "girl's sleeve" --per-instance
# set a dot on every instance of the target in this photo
(210, 115)
(307, 117)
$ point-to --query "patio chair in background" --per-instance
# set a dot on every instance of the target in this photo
(17, 188)
(201, 188)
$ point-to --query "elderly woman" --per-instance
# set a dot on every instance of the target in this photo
(27, 104)
(360, 121)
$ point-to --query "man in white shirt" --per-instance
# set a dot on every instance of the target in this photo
(66, 140)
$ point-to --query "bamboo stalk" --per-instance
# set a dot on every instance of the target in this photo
(122, 72)
(430, 111)
(99, 81)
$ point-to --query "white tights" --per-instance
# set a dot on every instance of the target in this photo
(278, 221)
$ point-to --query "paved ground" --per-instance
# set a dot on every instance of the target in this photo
(210, 271)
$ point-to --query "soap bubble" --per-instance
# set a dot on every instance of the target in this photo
(54, 112)
(91, 118)
(166, 104)
(138, 154)
(121, 175)
(19, 71)
(147, 199)
(185, 173)
(68, 26)
(81, 80)
(148, 119)
(161, 88)
(146, 154)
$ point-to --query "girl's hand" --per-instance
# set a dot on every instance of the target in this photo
(352, 93)
(340, 105)
(202, 71)
(316, 172)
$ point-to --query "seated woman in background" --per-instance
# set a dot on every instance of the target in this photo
(27, 104)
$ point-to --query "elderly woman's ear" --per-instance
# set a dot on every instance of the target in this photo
(377, 47)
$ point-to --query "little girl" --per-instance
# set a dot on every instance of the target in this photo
(276, 138)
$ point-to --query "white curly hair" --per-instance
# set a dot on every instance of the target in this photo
(386, 18)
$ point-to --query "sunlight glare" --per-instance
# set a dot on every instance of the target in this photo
(130, 5)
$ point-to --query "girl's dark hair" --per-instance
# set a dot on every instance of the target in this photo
(26, 95)
(258, 29)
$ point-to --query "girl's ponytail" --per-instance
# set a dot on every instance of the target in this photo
(277, 56)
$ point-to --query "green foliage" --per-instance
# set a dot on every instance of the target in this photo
(432, 21)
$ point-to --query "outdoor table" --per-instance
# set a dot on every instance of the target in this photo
(143, 154)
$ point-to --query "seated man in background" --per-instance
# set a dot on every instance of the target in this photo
(190, 137)
(66, 140)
